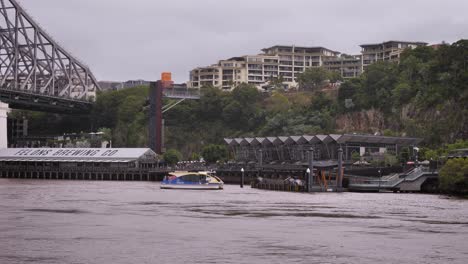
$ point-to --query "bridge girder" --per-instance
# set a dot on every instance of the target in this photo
(33, 64)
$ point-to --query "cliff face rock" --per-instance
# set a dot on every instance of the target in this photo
(442, 123)
(369, 121)
(445, 122)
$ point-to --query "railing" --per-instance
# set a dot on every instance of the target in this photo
(181, 94)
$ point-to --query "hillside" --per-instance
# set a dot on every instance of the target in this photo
(426, 95)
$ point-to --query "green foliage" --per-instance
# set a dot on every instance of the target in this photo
(314, 78)
(425, 95)
(459, 144)
(443, 151)
(212, 153)
(107, 133)
(391, 160)
(124, 113)
(355, 156)
(195, 156)
(172, 156)
(454, 176)
(277, 103)
(277, 82)
(404, 155)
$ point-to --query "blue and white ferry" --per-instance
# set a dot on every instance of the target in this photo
(192, 181)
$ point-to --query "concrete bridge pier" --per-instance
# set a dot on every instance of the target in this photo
(4, 110)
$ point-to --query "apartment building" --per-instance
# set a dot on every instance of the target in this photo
(286, 62)
(349, 66)
(386, 51)
(293, 60)
(277, 62)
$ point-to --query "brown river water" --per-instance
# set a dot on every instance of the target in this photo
(136, 222)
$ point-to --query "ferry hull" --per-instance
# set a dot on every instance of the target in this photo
(192, 186)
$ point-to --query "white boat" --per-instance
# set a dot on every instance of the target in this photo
(192, 181)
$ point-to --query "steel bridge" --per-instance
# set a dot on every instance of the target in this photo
(36, 73)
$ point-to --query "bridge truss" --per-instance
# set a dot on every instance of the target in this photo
(35, 72)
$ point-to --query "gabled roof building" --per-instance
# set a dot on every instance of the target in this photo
(293, 149)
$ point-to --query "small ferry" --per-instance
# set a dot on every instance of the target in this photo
(192, 181)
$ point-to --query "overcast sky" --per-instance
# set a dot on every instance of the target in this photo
(138, 39)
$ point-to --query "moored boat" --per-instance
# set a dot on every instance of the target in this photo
(192, 181)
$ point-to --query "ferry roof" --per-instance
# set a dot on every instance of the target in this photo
(76, 154)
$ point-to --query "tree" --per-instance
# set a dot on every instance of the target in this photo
(334, 76)
(277, 102)
(106, 133)
(245, 93)
(213, 153)
(195, 156)
(391, 160)
(355, 156)
(277, 82)
(172, 156)
(454, 176)
(313, 78)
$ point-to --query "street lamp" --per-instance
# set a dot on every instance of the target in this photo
(416, 158)
(380, 177)
(242, 179)
(309, 187)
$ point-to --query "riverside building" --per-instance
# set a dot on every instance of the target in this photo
(80, 164)
(293, 149)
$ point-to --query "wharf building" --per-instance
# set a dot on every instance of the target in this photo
(80, 164)
(275, 160)
(294, 149)
(284, 63)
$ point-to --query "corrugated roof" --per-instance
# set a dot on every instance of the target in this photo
(379, 139)
(74, 154)
(317, 139)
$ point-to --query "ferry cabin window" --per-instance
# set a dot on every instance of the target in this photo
(191, 178)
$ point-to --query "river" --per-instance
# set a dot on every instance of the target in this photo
(136, 222)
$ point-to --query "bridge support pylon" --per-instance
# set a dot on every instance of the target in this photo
(4, 110)
(155, 117)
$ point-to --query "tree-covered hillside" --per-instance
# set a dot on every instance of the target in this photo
(426, 95)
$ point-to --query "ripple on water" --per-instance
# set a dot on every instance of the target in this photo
(268, 213)
(58, 211)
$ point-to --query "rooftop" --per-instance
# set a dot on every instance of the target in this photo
(75, 154)
(316, 139)
(394, 41)
(299, 47)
